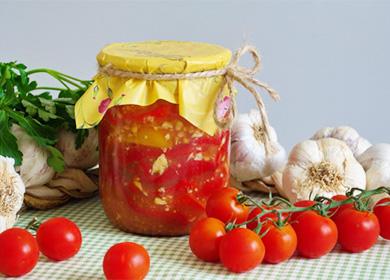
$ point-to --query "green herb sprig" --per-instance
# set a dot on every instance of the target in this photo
(33, 108)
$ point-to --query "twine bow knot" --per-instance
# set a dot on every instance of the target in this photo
(245, 77)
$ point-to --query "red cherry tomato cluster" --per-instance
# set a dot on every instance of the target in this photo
(57, 238)
(60, 239)
(241, 233)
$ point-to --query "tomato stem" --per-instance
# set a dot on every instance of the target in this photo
(33, 224)
(322, 205)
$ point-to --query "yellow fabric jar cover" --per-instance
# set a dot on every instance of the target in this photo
(195, 97)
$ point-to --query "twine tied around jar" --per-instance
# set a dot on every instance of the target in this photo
(232, 73)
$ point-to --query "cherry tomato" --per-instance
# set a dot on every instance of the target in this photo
(358, 230)
(317, 235)
(19, 252)
(280, 243)
(383, 215)
(223, 205)
(270, 216)
(334, 213)
(303, 204)
(59, 238)
(126, 260)
(205, 237)
(241, 250)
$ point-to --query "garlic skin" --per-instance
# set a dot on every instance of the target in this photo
(71, 183)
(248, 159)
(34, 169)
(323, 167)
(349, 135)
(11, 193)
(87, 156)
(277, 180)
(376, 162)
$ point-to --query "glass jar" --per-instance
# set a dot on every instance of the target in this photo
(161, 153)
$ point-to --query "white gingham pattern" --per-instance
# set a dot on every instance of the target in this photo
(171, 257)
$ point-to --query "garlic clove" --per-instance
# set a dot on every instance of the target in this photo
(42, 203)
(46, 193)
(268, 180)
(75, 182)
(306, 153)
(277, 179)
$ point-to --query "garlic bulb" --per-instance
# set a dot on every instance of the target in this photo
(11, 193)
(349, 135)
(86, 156)
(248, 159)
(34, 169)
(322, 167)
(376, 162)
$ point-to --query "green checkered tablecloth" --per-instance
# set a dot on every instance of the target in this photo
(171, 257)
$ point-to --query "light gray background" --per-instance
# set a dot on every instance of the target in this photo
(329, 60)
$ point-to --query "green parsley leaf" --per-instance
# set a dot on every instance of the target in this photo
(44, 135)
(8, 144)
(34, 109)
(55, 159)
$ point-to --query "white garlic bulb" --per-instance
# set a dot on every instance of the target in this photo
(376, 162)
(34, 169)
(11, 193)
(248, 158)
(349, 135)
(322, 167)
(86, 156)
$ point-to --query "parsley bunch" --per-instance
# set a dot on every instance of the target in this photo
(39, 114)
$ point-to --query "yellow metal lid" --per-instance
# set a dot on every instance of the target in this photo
(164, 57)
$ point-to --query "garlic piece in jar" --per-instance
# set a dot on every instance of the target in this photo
(12, 190)
(323, 167)
(160, 165)
(248, 158)
(349, 135)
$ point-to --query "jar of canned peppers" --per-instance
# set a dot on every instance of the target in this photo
(162, 153)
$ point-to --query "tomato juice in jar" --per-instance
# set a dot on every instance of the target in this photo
(161, 153)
